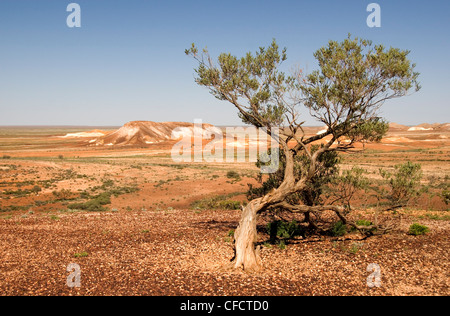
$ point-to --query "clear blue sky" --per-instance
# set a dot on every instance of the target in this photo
(127, 60)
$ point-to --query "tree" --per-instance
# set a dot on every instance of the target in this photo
(353, 80)
(370, 131)
(327, 173)
(403, 183)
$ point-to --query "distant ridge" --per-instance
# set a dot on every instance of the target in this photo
(145, 133)
(93, 133)
(430, 127)
(142, 133)
(396, 126)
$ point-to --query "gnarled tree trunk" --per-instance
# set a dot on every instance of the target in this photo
(246, 256)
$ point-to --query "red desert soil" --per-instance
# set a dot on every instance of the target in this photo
(153, 242)
(178, 252)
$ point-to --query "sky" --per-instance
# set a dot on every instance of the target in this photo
(126, 62)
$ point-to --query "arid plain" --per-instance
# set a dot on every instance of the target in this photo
(138, 223)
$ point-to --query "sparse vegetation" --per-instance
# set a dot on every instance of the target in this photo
(159, 217)
(417, 229)
(95, 204)
(446, 196)
(217, 202)
(296, 247)
(285, 230)
(36, 189)
(339, 229)
(404, 182)
(233, 175)
(81, 254)
(62, 195)
(354, 79)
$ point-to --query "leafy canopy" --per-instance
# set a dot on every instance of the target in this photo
(252, 83)
(355, 78)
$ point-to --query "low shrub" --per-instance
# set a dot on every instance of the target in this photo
(93, 205)
(363, 222)
(81, 254)
(446, 196)
(233, 175)
(96, 203)
(339, 229)
(219, 202)
(417, 229)
(62, 195)
(285, 230)
(36, 189)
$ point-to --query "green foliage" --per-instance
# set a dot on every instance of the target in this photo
(285, 230)
(354, 248)
(116, 191)
(81, 254)
(233, 175)
(353, 80)
(254, 77)
(446, 196)
(219, 202)
(363, 222)
(372, 130)
(228, 205)
(364, 227)
(327, 168)
(107, 183)
(436, 217)
(338, 229)
(356, 77)
(354, 177)
(96, 204)
(343, 187)
(418, 229)
(63, 194)
(36, 189)
(404, 182)
(22, 193)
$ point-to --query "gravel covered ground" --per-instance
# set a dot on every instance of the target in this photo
(179, 252)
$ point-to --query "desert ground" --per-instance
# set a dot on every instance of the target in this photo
(138, 223)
